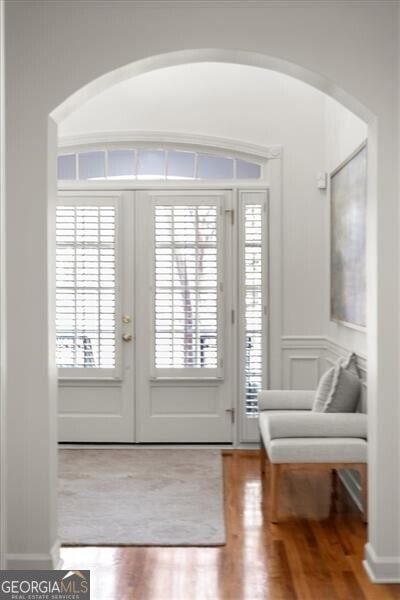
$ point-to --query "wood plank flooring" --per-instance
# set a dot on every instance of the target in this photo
(315, 553)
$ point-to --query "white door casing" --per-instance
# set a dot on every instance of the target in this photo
(142, 403)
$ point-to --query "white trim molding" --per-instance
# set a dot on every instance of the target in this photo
(33, 561)
(172, 138)
(381, 569)
(3, 520)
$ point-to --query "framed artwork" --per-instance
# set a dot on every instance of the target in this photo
(348, 194)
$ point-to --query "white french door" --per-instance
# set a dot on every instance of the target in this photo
(95, 366)
(185, 373)
(161, 315)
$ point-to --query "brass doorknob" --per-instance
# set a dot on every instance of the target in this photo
(127, 337)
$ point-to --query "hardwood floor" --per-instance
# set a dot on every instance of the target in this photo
(314, 553)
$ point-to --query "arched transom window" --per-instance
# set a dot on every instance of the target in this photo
(155, 163)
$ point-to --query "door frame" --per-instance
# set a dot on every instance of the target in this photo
(272, 184)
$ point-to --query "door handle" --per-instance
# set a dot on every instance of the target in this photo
(232, 411)
(127, 337)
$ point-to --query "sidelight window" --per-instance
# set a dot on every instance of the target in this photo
(253, 304)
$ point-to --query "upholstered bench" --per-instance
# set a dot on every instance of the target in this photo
(293, 436)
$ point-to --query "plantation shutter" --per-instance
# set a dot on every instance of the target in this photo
(253, 302)
(86, 274)
(188, 287)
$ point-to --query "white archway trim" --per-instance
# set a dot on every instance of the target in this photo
(380, 343)
(196, 55)
(167, 138)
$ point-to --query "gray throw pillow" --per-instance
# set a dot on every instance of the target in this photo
(323, 390)
(338, 391)
(351, 365)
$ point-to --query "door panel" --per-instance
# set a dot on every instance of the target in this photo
(96, 404)
(184, 358)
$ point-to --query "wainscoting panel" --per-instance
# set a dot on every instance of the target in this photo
(302, 362)
(303, 372)
(305, 359)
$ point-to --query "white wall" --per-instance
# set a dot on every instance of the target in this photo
(251, 105)
(54, 49)
(2, 306)
(344, 133)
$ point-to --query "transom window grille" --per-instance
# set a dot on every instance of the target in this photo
(187, 288)
(143, 164)
(253, 292)
(86, 289)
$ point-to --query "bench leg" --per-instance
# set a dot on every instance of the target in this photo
(263, 460)
(363, 470)
(334, 490)
(275, 476)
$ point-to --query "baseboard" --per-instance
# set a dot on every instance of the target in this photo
(381, 569)
(36, 562)
(352, 487)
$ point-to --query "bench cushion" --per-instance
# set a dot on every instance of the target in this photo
(317, 450)
(295, 424)
(318, 447)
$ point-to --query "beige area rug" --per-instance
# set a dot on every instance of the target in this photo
(141, 497)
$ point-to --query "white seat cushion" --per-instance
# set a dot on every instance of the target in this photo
(312, 449)
(263, 419)
(263, 423)
(317, 450)
(312, 424)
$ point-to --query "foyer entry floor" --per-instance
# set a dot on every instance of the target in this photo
(315, 553)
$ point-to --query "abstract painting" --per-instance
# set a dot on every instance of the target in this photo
(348, 240)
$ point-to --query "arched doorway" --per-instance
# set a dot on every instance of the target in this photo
(251, 59)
